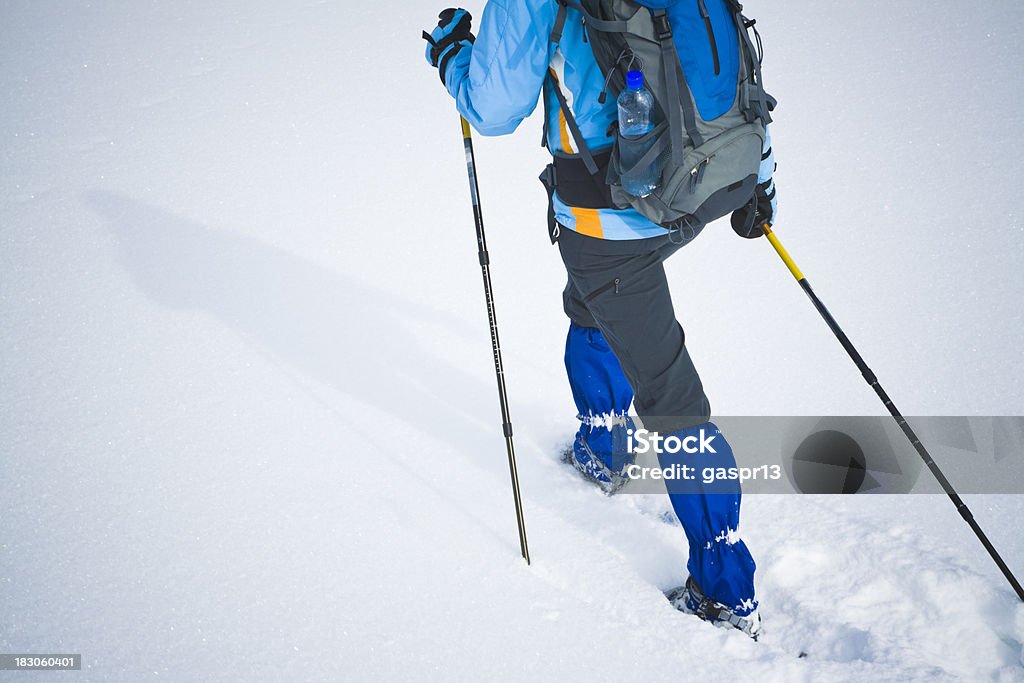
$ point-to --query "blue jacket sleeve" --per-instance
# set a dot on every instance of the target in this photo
(497, 83)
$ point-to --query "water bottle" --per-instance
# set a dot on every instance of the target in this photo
(635, 106)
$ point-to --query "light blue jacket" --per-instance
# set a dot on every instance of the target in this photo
(498, 82)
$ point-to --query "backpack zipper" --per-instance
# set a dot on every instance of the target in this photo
(697, 173)
(711, 35)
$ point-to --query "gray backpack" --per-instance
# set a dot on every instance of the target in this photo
(711, 110)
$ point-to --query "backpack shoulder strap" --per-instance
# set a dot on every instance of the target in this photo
(574, 129)
(563, 105)
(591, 20)
(556, 32)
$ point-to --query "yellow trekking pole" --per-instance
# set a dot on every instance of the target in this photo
(870, 378)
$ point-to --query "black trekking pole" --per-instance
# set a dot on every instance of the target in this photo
(485, 260)
(870, 378)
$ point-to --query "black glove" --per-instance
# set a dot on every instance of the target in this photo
(451, 35)
(748, 219)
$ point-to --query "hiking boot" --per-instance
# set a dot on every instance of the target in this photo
(690, 600)
(593, 468)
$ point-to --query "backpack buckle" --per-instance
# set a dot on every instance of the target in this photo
(662, 27)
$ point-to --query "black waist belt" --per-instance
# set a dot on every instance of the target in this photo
(576, 186)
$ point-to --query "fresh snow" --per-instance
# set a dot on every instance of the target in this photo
(249, 424)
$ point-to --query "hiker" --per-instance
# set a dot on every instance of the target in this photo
(624, 344)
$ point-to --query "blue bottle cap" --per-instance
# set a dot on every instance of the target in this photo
(635, 80)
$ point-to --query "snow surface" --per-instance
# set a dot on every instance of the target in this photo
(249, 429)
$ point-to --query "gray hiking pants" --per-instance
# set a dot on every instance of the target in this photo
(619, 287)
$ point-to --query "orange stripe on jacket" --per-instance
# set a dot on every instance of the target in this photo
(588, 222)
